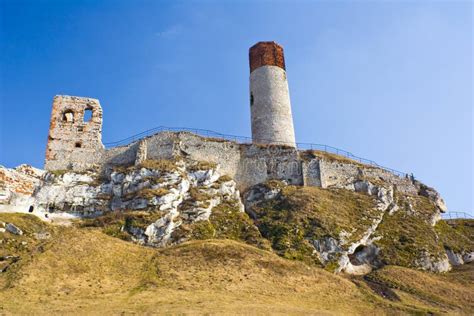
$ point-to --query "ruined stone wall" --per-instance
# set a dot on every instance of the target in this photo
(342, 173)
(74, 143)
(248, 164)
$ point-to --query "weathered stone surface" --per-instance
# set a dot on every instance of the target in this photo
(17, 185)
(184, 195)
(272, 120)
(468, 257)
(9, 227)
(427, 262)
(455, 259)
(266, 54)
(73, 142)
(141, 152)
(252, 164)
(431, 194)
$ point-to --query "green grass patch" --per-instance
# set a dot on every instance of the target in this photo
(457, 235)
(302, 214)
(225, 222)
(407, 233)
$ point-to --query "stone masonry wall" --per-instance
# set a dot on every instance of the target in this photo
(74, 143)
(248, 164)
(270, 107)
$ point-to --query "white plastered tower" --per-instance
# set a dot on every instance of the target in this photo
(270, 107)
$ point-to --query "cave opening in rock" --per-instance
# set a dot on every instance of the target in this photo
(365, 254)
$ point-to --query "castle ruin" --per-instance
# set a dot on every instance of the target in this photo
(75, 132)
(75, 143)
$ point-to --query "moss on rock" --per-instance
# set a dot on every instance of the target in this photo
(226, 222)
(300, 215)
(407, 234)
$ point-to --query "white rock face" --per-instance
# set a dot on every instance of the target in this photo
(427, 262)
(455, 259)
(468, 257)
(172, 193)
(71, 193)
(17, 185)
(9, 227)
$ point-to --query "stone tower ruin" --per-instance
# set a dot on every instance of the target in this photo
(75, 133)
(272, 121)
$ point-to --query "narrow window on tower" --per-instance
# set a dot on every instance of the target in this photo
(87, 115)
(68, 116)
(251, 99)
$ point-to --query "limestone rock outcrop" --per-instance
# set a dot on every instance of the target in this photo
(18, 184)
(175, 192)
(351, 232)
(347, 217)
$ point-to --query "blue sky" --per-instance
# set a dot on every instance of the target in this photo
(389, 81)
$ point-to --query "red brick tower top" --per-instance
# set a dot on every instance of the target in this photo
(266, 54)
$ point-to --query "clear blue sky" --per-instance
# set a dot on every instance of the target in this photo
(389, 81)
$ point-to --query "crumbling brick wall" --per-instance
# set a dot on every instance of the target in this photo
(73, 142)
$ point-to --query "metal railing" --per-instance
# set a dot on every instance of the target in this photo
(248, 140)
(456, 215)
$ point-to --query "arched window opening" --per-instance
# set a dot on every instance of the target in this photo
(87, 115)
(78, 145)
(68, 116)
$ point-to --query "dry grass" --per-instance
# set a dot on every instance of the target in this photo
(149, 193)
(300, 214)
(83, 271)
(202, 165)
(428, 292)
(162, 165)
(406, 234)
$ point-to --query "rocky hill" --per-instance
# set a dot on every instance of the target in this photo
(213, 237)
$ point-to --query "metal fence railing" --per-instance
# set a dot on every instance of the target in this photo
(248, 140)
(456, 215)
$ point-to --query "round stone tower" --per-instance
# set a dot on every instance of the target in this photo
(272, 122)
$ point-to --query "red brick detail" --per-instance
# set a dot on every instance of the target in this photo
(266, 53)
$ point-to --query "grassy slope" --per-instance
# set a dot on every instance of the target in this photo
(83, 270)
(302, 213)
(88, 271)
